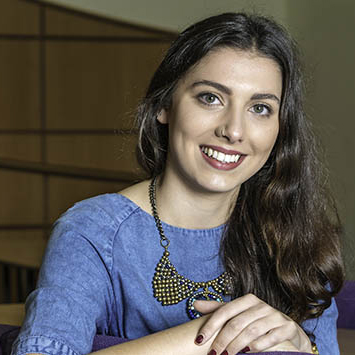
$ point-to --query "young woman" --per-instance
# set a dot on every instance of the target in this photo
(233, 228)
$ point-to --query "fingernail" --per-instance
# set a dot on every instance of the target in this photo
(199, 339)
(212, 352)
(225, 352)
(245, 349)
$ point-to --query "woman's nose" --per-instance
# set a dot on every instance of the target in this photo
(232, 128)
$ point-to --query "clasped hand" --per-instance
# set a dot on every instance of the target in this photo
(248, 323)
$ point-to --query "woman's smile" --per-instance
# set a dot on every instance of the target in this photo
(220, 158)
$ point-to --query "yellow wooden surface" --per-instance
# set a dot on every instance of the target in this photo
(12, 314)
(346, 339)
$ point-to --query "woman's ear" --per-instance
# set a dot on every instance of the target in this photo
(163, 116)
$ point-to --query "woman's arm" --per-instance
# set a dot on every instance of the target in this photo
(175, 341)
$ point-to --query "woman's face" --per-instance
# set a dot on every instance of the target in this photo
(223, 120)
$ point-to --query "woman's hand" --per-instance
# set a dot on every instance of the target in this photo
(248, 323)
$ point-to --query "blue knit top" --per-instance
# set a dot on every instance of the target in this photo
(97, 274)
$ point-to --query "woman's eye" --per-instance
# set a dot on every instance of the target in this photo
(209, 99)
(262, 109)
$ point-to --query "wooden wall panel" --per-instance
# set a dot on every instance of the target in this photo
(94, 151)
(19, 78)
(21, 196)
(97, 85)
(20, 147)
(69, 23)
(62, 70)
(64, 192)
(23, 248)
(19, 17)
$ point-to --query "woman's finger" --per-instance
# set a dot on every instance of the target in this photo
(206, 307)
(229, 311)
(261, 335)
(275, 339)
(241, 331)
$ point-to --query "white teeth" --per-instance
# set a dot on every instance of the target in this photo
(221, 156)
(224, 158)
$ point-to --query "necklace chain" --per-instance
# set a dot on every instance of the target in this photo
(169, 286)
(164, 241)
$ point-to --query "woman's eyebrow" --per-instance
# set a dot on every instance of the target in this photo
(217, 86)
(265, 97)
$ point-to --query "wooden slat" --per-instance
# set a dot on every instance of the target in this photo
(13, 283)
(21, 197)
(346, 339)
(18, 16)
(19, 73)
(68, 171)
(64, 192)
(20, 147)
(22, 248)
(97, 85)
(116, 153)
(2, 283)
(12, 314)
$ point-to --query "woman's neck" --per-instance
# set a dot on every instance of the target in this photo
(181, 205)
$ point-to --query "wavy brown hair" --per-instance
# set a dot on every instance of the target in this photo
(281, 240)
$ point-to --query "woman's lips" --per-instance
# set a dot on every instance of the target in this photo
(222, 159)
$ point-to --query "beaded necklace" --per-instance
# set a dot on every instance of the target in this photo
(169, 286)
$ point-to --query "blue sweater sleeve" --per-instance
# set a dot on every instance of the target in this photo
(325, 330)
(74, 297)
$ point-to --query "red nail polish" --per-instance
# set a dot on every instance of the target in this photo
(225, 352)
(199, 339)
(212, 352)
(245, 349)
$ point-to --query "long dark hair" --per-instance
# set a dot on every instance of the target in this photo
(281, 241)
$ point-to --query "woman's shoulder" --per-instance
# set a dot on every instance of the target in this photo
(102, 213)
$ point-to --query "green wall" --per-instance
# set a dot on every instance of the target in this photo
(326, 33)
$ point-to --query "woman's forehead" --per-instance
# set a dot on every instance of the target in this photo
(231, 67)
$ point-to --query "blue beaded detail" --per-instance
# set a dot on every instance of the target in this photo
(201, 295)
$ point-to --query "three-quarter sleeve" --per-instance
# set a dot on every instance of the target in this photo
(324, 329)
(73, 299)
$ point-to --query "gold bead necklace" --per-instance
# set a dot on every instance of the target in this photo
(169, 287)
